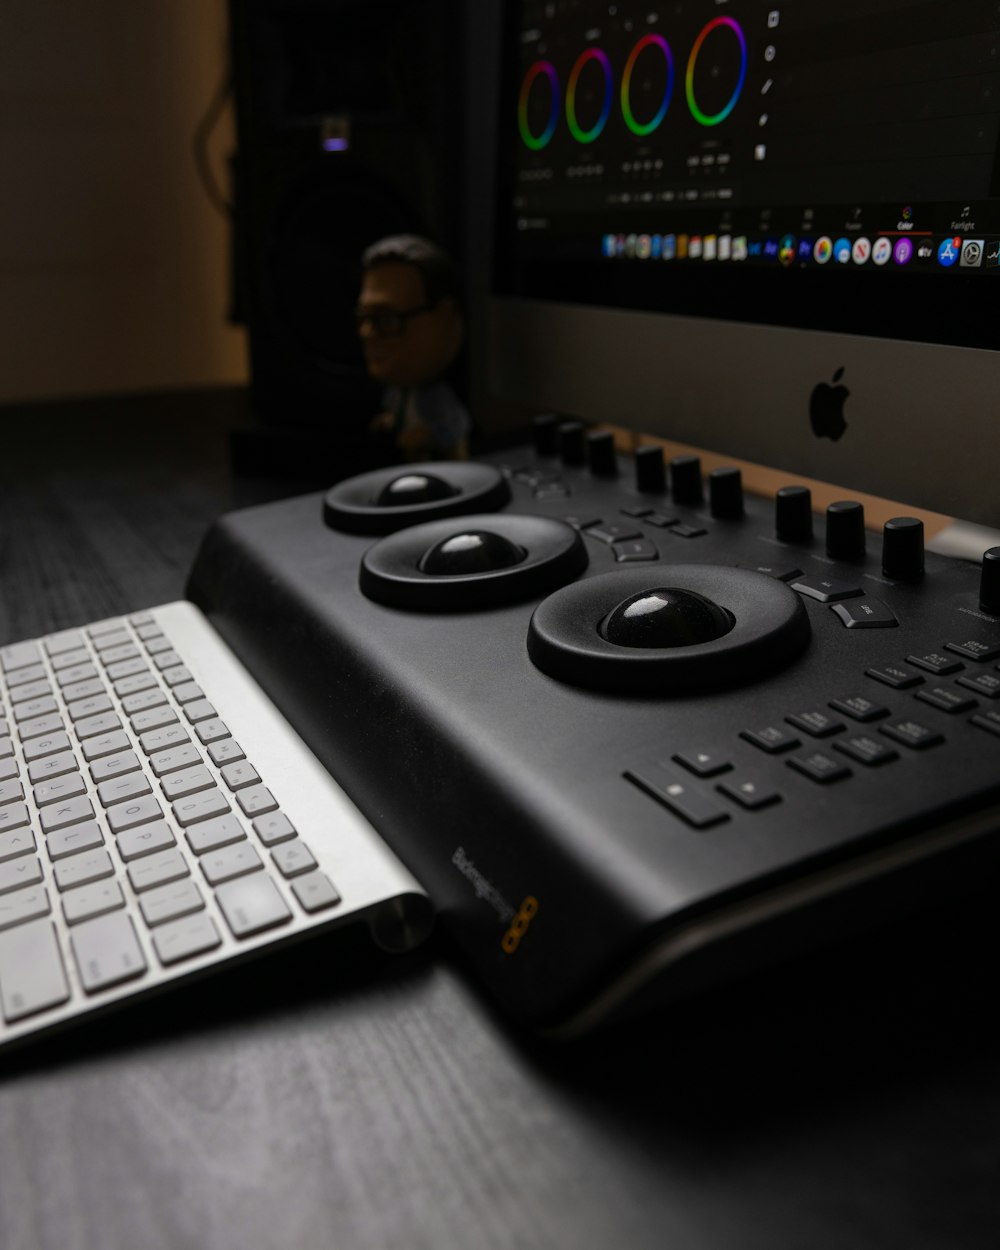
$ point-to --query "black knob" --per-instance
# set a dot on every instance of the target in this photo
(793, 518)
(601, 454)
(989, 582)
(685, 479)
(845, 530)
(571, 442)
(903, 549)
(650, 474)
(543, 430)
(725, 493)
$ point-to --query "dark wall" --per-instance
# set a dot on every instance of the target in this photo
(388, 81)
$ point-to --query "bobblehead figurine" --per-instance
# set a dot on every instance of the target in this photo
(411, 328)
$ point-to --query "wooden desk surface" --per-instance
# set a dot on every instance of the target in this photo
(333, 1097)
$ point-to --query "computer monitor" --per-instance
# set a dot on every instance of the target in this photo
(765, 228)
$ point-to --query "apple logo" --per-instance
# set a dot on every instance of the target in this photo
(826, 408)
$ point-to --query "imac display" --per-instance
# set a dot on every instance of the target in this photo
(767, 229)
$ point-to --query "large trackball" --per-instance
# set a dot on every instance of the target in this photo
(681, 628)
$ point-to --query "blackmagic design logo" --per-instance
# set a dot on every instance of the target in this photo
(826, 408)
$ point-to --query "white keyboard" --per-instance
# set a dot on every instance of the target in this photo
(159, 816)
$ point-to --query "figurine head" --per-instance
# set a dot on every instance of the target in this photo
(409, 316)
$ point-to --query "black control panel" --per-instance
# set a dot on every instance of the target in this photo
(633, 728)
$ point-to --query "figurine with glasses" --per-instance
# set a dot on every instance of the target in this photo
(411, 327)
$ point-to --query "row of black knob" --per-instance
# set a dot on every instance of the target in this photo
(902, 537)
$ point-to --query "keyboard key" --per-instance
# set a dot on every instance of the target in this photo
(162, 739)
(165, 866)
(165, 762)
(67, 640)
(93, 706)
(240, 774)
(946, 699)
(30, 708)
(106, 744)
(25, 870)
(772, 739)
(52, 766)
(252, 904)
(32, 976)
(209, 835)
(13, 816)
(177, 785)
(815, 723)
(167, 659)
(34, 672)
(256, 800)
(111, 641)
(83, 690)
(127, 668)
(912, 734)
(153, 718)
(895, 676)
(83, 868)
(680, 797)
(184, 938)
(23, 905)
(11, 791)
(212, 730)
(866, 750)
(145, 840)
(127, 786)
(19, 655)
(315, 892)
(169, 902)
(143, 700)
(65, 787)
(76, 672)
(114, 655)
(200, 806)
(132, 685)
(107, 952)
(65, 842)
(231, 861)
(225, 751)
(67, 812)
(859, 708)
(135, 812)
(199, 710)
(39, 727)
(15, 843)
(114, 765)
(88, 901)
(187, 692)
(274, 828)
(92, 726)
(819, 767)
(293, 858)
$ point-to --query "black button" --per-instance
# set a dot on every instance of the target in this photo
(891, 675)
(819, 767)
(635, 549)
(983, 683)
(867, 750)
(749, 794)
(865, 613)
(816, 723)
(973, 649)
(946, 700)
(911, 734)
(582, 522)
(859, 708)
(987, 720)
(936, 663)
(771, 739)
(825, 589)
(660, 520)
(679, 796)
(687, 531)
(610, 533)
(703, 763)
(636, 512)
